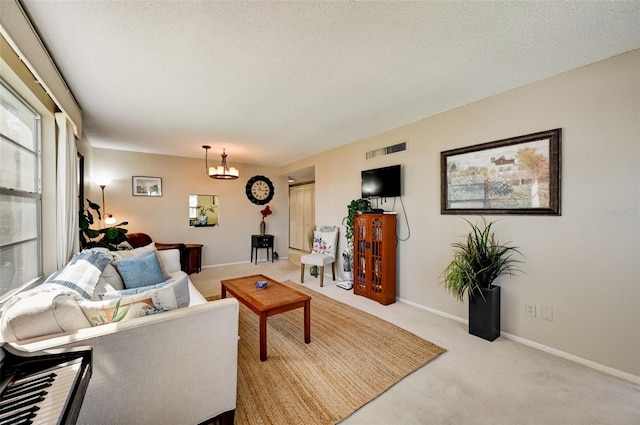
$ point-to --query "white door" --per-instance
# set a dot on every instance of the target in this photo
(301, 215)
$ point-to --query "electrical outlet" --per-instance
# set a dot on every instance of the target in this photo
(530, 309)
(546, 312)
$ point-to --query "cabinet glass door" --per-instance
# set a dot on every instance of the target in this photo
(376, 257)
(360, 234)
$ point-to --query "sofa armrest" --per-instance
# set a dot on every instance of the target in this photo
(140, 365)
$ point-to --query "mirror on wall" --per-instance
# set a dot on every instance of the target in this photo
(203, 210)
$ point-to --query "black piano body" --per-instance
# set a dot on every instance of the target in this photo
(44, 387)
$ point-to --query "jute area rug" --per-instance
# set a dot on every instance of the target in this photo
(352, 358)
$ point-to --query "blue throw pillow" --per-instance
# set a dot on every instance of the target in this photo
(140, 271)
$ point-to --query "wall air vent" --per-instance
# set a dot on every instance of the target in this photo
(398, 147)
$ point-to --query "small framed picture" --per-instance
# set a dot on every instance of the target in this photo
(146, 186)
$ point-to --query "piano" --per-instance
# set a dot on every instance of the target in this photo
(43, 388)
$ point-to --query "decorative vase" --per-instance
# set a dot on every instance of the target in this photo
(484, 313)
(263, 228)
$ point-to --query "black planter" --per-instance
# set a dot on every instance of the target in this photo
(484, 314)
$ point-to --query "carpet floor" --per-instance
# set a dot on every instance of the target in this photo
(352, 358)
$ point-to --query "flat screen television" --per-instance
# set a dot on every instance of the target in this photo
(381, 182)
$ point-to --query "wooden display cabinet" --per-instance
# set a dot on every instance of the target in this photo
(374, 246)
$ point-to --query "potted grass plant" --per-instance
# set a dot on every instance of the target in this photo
(476, 264)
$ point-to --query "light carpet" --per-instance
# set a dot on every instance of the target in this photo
(353, 357)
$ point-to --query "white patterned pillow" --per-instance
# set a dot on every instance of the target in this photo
(118, 255)
(129, 306)
(180, 286)
(81, 274)
(323, 241)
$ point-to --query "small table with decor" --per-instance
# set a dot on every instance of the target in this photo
(261, 241)
(273, 299)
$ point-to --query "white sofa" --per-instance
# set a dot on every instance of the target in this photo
(177, 367)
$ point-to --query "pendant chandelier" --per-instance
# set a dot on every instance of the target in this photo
(222, 171)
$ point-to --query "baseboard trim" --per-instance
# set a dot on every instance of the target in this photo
(434, 311)
(559, 353)
(585, 362)
(210, 266)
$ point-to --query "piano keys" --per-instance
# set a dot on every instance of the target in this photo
(43, 388)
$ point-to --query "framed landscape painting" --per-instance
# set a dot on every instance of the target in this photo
(146, 186)
(519, 175)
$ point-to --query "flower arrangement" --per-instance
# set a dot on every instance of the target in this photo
(266, 212)
(202, 211)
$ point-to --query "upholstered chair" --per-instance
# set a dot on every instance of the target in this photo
(323, 253)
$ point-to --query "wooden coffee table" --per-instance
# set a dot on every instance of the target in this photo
(276, 298)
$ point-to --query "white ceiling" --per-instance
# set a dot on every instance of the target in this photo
(273, 82)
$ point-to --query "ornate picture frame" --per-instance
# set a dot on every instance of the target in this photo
(518, 175)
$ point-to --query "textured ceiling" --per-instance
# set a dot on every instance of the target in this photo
(273, 82)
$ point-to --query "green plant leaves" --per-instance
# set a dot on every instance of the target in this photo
(354, 207)
(478, 262)
(92, 233)
(94, 206)
(118, 314)
(108, 237)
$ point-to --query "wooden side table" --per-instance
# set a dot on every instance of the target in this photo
(193, 255)
(261, 241)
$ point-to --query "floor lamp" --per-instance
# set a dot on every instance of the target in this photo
(106, 217)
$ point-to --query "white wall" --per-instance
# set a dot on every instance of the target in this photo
(166, 218)
(585, 264)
